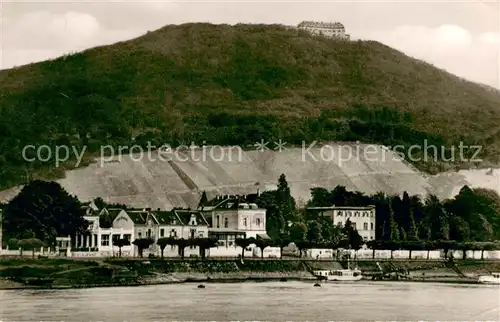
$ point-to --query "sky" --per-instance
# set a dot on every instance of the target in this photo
(462, 37)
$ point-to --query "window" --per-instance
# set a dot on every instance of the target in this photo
(356, 214)
(371, 226)
(226, 223)
(115, 238)
(149, 232)
(340, 213)
(339, 224)
(365, 226)
(200, 234)
(244, 222)
(218, 221)
(353, 225)
(162, 232)
(173, 233)
(139, 235)
(193, 232)
(104, 240)
(258, 221)
(127, 236)
(95, 240)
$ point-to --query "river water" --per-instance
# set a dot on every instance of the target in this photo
(277, 301)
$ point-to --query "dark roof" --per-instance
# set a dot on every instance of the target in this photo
(137, 217)
(208, 218)
(89, 211)
(107, 216)
(233, 202)
(167, 218)
(140, 217)
(250, 198)
(139, 209)
(113, 213)
(185, 216)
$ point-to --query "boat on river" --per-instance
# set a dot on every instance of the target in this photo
(339, 275)
(493, 278)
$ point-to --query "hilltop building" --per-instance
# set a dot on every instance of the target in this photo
(361, 218)
(327, 29)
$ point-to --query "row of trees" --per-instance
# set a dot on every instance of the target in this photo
(285, 222)
(43, 211)
(26, 244)
(262, 244)
(472, 215)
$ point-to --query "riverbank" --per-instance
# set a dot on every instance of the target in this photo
(67, 273)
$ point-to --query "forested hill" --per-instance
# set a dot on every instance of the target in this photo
(237, 85)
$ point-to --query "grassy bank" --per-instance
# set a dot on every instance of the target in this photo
(66, 273)
(62, 273)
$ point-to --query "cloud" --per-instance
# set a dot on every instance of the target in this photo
(490, 38)
(46, 30)
(41, 35)
(450, 47)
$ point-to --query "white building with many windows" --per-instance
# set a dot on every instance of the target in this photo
(234, 217)
(327, 29)
(361, 218)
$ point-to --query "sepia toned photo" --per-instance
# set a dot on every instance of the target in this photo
(198, 160)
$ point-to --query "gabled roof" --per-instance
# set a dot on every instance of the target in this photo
(89, 205)
(236, 202)
(185, 217)
(208, 218)
(140, 217)
(113, 213)
(231, 202)
(168, 218)
(107, 216)
(137, 218)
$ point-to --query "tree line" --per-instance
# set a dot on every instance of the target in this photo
(43, 211)
(470, 220)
